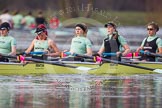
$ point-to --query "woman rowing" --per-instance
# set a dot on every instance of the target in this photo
(43, 44)
(113, 43)
(152, 43)
(7, 42)
(80, 44)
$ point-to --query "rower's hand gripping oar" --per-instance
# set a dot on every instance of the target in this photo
(22, 58)
(121, 63)
(64, 54)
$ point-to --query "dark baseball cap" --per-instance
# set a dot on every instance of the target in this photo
(39, 30)
(110, 24)
(4, 26)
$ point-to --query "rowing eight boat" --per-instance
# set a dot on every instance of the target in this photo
(33, 68)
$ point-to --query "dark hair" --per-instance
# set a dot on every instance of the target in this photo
(154, 25)
(16, 12)
(5, 11)
(40, 12)
(82, 26)
(29, 13)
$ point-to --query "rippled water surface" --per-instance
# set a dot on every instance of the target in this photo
(81, 91)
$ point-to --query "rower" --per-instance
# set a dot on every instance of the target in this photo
(43, 44)
(80, 44)
(113, 43)
(7, 42)
(152, 43)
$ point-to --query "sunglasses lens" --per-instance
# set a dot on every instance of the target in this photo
(38, 33)
(150, 29)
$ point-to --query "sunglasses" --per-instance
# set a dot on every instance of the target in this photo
(150, 29)
(38, 33)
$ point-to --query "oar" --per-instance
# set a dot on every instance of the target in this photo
(131, 54)
(109, 54)
(38, 53)
(152, 54)
(121, 63)
(34, 53)
(48, 62)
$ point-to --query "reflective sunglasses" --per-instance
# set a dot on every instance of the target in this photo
(38, 33)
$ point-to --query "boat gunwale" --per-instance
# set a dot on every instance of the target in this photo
(80, 62)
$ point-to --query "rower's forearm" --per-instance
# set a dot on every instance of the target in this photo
(126, 52)
(57, 54)
(12, 53)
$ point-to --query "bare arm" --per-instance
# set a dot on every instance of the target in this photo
(126, 50)
(30, 48)
(160, 50)
(139, 48)
(89, 51)
(101, 51)
(13, 50)
(53, 45)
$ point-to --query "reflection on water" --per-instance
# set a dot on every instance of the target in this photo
(81, 91)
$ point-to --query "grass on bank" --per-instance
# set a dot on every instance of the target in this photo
(129, 18)
(124, 18)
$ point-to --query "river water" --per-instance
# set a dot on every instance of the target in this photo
(81, 91)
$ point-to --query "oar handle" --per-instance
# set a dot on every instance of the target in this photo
(144, 52)
(132, 54)
(39, 52)
(35, 53)
(64, 54)
(108, 54)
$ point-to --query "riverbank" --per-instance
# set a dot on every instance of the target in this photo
(121, 18)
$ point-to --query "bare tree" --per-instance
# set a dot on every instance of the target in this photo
(68, 7)
(90, 5)
(153, 9)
